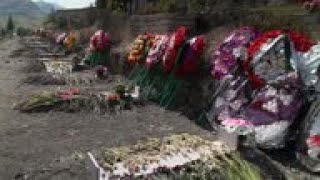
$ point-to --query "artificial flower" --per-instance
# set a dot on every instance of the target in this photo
(157, 50)
(99, 41)
(140, 47)
(192, 53)
(60, 38)
(175, 43)
(223, 56)
(68, 94)
(136, 50)
(70, 40)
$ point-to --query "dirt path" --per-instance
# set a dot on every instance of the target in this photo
(40, 146)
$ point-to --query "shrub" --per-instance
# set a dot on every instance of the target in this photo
(21, 31)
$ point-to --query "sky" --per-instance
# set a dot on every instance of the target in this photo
(71, 3)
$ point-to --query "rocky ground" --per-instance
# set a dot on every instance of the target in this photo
(53, 145)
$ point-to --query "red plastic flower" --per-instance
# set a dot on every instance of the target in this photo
(175, 43)
(190, 56)
(99, 41)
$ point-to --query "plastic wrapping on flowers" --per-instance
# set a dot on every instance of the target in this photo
(300, 43)
(99, 49)
(263, 97)
(308, 64)
(308, 151)
(309, 140)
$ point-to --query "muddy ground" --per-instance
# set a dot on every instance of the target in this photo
(52, 145)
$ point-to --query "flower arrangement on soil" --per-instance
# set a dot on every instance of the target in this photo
(157, 51)
(176, 157)
(58, 67)
(262, 94)
(163, 64)
(70, 41)
(98, 51)
(224, 55)
(72, 100)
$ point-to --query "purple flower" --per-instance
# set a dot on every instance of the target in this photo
(223, 55)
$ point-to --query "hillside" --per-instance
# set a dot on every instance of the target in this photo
(46, 7)
(24, 12)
